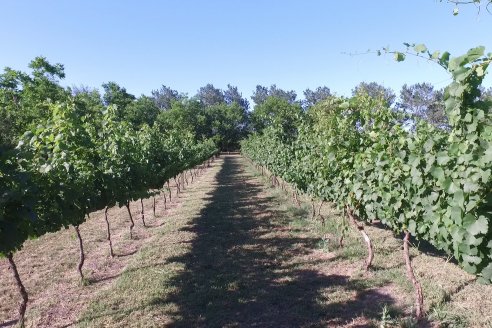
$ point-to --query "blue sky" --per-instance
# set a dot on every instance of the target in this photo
(186, 44)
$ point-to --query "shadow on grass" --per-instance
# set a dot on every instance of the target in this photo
(237, 272)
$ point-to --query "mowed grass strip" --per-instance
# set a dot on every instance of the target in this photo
(238, 254)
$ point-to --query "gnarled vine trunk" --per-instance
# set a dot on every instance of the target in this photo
(142, 212)
(419, 298)
(132, 224)
(296, 198)
(153, 205)
(20, 287)
(370, 253)
(81, 253)
(108, 231)
(320, 206)
(169, 188)
(177, 186)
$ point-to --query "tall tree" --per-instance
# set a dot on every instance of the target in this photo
(142, 111)
(278, 112)
(375, 90)
(227, 125)
(423, 101)
(313, 97)
(232, 95)
(116, 95)
(87, 100)
(486, 94)
(261, 94)
(209, 95)
(25, 98)
(186, 116)
(165, 96)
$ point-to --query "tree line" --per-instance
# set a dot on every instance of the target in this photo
(222, 115)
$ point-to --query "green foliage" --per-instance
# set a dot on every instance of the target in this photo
(277, 112)
(73, 164)
(65, 153)
(226, 124)
(16, 204)
(223, 123)
(142, 111)
(60, 157)
(25, 99)
(186, 116)
(116, 95)
(433, 183)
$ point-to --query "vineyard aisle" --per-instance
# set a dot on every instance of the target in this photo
(231, 256)
(232, 252)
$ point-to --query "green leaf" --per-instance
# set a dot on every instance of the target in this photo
(437, 173)
(442, 158)
(487, 273)
(480, 71)
(444, 58)
(475, 53)
(456, 89)
(421, 48)
(459, 199)
(428, 145)
(472, 259)
(470, 186)
(399, 56)
(45, 168)
(479, 226)
(449, 186)
(456, 215)
(411, 226)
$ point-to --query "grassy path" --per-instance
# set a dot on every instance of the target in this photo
(234, 257)
(234, 252)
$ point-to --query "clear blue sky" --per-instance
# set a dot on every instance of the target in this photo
(186, 44)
